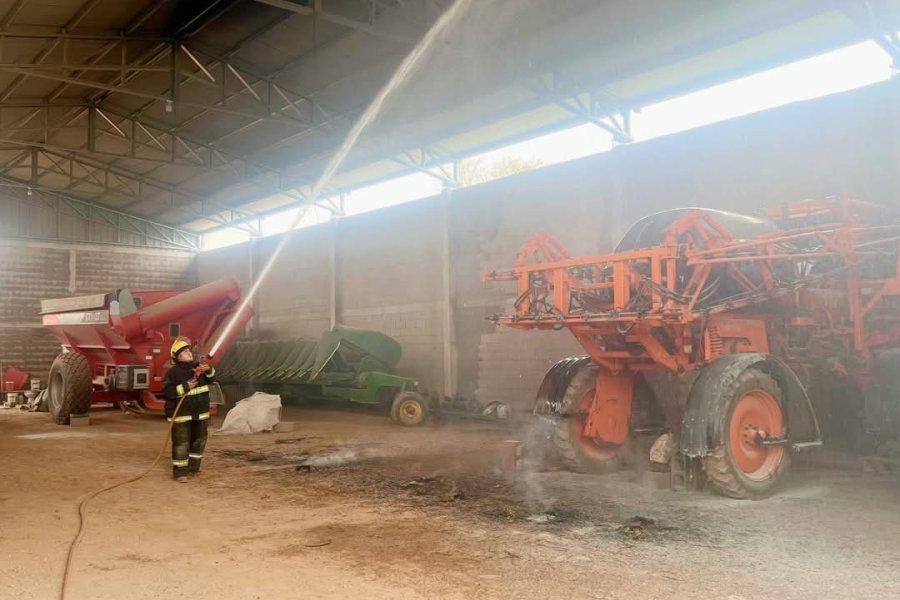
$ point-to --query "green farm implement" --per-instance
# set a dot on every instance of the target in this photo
(346, 364)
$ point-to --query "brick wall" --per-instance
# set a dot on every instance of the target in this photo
(294, 300)
(33, 271)
(387, 271)
(28, 273)
(103, 270)
(389, 278)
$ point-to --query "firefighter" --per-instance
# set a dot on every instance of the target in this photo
(189, 379)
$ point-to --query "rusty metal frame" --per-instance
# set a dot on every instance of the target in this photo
(656, 290)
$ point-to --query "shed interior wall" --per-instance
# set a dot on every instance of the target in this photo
(388, 266)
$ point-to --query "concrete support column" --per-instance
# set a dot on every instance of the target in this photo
(253, 325)
(615, 206)
(448, 326)
(73, 280)
(333, 309)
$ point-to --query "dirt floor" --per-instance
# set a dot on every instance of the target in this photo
(378, 511)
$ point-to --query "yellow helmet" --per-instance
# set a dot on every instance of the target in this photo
(178, 345)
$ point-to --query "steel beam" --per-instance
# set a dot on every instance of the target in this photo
(182, 63)
(430, 162)
(89, 212)
(106, 130)
(330, 200)
(102, 176)
(316, 12)
(424, 157)
(42, 74)
(585, 104)
(11, 14)
(129, 29)
(38, 33)
(319, 116)
(140, 140)
(71, 24)
(592, 106)
(227, 97)
(92, 179)
(875, 25)
(87, 67)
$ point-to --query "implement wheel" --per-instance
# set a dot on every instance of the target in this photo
(69, 387)
(739, 466)
(409, 409)
(578, 451)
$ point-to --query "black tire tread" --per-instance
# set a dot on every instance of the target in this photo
(562, 435)
(76, 377)
(721, 475)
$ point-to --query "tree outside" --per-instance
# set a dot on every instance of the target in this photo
(472, 171)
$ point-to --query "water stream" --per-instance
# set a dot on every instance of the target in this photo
(441, 26)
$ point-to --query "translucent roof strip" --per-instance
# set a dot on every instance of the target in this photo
(832, 72)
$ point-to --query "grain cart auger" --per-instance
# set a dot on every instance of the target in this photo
(116, 345)
(712, 326)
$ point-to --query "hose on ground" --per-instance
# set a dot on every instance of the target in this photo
(82, 504)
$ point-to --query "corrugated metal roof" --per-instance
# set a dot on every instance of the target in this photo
(194, 114)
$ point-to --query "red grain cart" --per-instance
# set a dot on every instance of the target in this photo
(712, 326)
(116, 345)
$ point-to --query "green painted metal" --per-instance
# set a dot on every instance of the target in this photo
(346, 363)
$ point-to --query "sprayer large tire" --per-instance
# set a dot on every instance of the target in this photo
(576, 453)
(737, 468)
(69, 387)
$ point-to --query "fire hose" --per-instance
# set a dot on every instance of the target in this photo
(82, 504)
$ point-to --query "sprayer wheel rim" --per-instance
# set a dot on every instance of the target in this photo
(756, 413)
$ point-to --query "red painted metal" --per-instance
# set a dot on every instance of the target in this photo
(592, 444)
(756, 415)
(158, 314)
(609, 413)
(821, 287)
(14, 379)
(92, 326)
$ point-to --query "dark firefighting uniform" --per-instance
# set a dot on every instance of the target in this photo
(189, 429)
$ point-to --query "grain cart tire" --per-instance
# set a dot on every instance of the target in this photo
(738, 467)
(409, 409)
(577, 451)
(69, 387)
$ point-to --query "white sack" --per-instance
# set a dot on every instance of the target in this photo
(259, 412)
